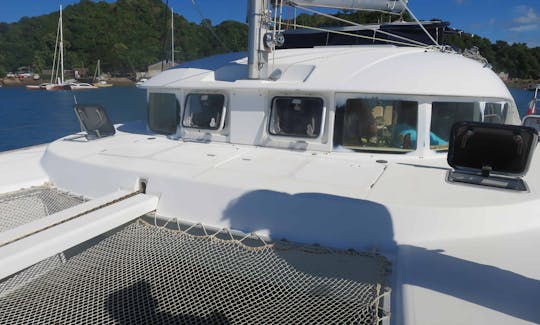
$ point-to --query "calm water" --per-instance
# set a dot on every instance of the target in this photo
(30, 117)
(34, 117)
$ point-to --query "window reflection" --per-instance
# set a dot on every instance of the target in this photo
(444, 115)
(163, 113)
(376, 125)
(204, 111)
(296, 117)
(495, 113)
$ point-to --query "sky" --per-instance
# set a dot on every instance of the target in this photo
(508, 20)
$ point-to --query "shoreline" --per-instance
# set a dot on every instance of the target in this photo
(15, 82)
(521, 83)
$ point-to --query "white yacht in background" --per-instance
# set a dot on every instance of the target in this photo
(81, 86)
(346, 184)
(140, 83)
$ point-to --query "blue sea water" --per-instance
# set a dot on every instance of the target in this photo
(33, 117)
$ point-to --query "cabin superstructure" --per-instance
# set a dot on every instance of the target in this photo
(385, 80)
(341, 184)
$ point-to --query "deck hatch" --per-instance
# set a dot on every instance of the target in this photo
(94, 121)
(148, 274)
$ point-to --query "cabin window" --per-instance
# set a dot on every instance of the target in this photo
(296, 117)
(163, 113)
(444, 115)
(495, 112)
(376, 125)
(204, 111)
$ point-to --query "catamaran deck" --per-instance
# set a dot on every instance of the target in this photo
(154, 272)
(460, 253)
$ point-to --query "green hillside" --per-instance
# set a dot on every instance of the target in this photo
(516, 59)
(128, 35)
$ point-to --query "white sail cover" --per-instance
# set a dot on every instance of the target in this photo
(385, 5)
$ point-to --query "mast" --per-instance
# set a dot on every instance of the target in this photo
(54, 65)
(257, 55)
(97, 72)
(61, 48)
(172, 37)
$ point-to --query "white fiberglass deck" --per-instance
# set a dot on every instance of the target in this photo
(358, 201)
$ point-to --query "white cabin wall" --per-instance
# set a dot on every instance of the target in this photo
(247, 116)
(250, 112)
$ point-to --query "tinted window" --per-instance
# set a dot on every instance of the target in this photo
(532, 122)
(163, 113)
(495, 112)
(204, 111)
(444, 115)
(376, 125)
(296, 117)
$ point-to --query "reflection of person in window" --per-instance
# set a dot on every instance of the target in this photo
(407, 133)
(366, 125)
(296, 119)
(359, 122)
(208, 113)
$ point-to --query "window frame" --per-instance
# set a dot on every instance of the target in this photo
(424, 116)
(178, 110)
(345, 97)
(297, 137)
(224, 112)
(479, 104)
(505, 107)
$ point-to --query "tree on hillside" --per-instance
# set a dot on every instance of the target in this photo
(129, 35)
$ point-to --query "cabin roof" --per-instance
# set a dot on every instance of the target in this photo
(366, 69)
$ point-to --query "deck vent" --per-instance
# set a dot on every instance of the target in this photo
(491, 155)
(94, 121)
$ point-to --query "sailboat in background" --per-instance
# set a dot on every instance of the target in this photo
(57, 73)
(98, 81)
(532, 110)
(165, 64)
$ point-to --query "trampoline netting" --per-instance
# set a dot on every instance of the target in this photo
(147, 274)
(27, 205)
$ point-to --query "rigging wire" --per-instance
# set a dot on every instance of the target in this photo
(420, 24)
(360, 25)
(164, 35)
(205, 23)
(280, 14)
(288, 17)
(406, 9)
(359, 36)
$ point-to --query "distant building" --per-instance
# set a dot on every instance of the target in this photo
(156, 68)
(504, 76)
(80, 73)
(24, 73)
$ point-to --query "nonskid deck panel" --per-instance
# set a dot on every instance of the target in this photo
(149, 274)
(27, 205)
